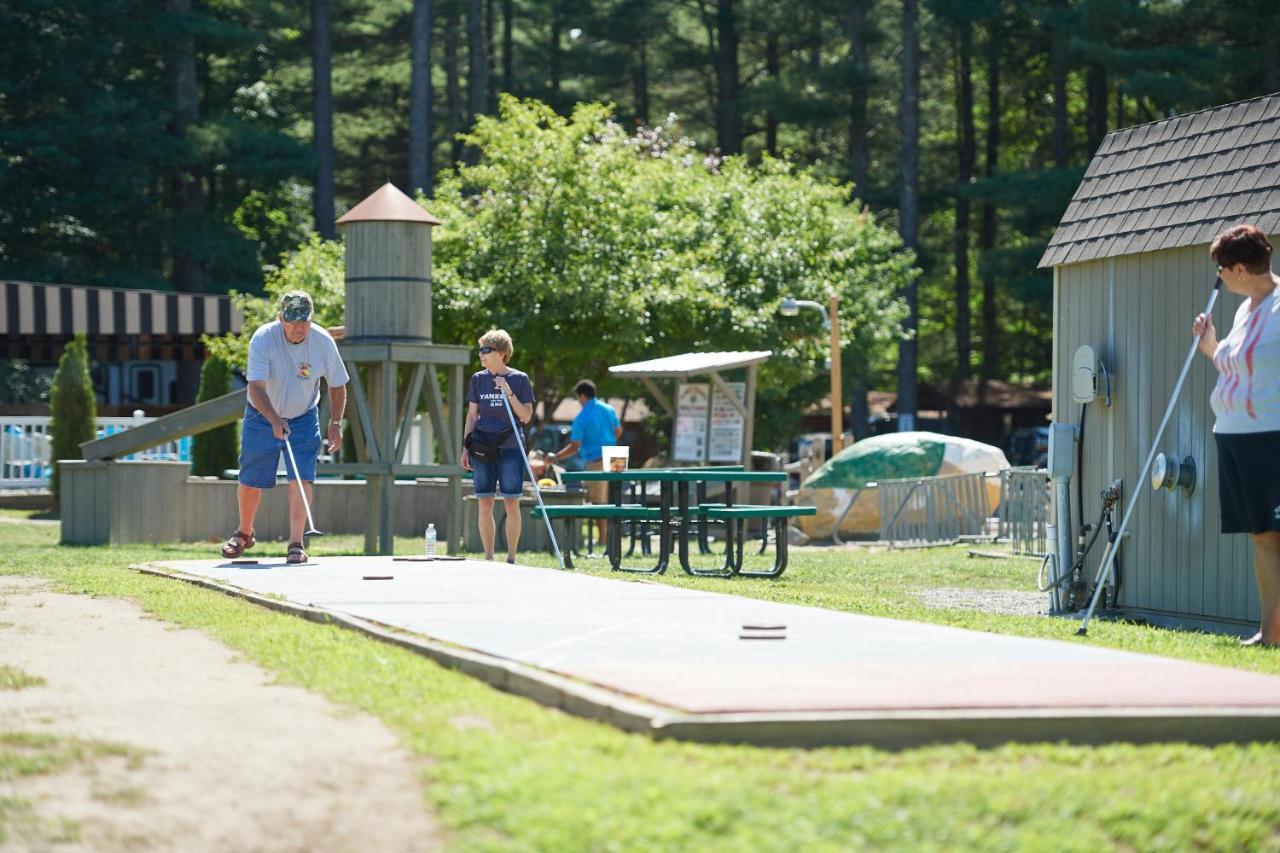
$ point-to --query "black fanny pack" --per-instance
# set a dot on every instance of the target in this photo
(485, 446)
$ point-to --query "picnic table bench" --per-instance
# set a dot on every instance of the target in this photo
(677, 516)
(638, 525)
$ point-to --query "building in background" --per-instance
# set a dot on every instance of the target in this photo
(144, 346)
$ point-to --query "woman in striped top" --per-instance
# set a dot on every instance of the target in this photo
(1246, 401)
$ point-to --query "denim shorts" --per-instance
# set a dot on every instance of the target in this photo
(260, 450)
(504, 478)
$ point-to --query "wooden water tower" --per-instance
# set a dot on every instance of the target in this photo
(393, 362)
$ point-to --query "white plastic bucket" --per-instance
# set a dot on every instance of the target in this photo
(615, 458)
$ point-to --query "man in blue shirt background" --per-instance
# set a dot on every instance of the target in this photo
(594, 427)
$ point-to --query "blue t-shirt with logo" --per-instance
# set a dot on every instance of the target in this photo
(595, 426)
(493, 412)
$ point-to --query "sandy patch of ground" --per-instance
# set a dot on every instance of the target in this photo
(1008, 602)
(218, 757)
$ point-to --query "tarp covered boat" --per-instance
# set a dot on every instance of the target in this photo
(893, 456)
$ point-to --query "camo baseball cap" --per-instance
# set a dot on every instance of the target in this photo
(296, 306)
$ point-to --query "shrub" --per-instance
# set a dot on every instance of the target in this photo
(73, 409)
(216, 450)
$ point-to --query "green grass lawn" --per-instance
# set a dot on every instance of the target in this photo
(505, 773)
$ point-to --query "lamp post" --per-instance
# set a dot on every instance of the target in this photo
(831, 321)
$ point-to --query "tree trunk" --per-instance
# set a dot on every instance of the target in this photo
(477, 64)
(859, 55)
(987, 237)
(1271, 57)
(420, 176)
(508, 47)
(772, 66)
(491, 57)
(728, 117)
(966, 158)
(640, 81)
(815, 73)
(909, 207)
(1096, 102)
(855, 376)
(1058, 61)
(322, 116)
(453, 86)
(554, 57)
(187, 191)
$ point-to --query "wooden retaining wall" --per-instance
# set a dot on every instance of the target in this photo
(128, 502)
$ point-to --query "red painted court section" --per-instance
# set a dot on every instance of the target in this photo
(683, 650)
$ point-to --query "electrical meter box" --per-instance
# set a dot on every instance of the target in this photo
(1084, 375)
(1062, 446)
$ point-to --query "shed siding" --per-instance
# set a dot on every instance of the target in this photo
(1173, 561)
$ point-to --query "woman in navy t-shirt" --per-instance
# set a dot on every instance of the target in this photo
(487, 418)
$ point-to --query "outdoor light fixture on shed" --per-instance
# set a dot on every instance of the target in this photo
(790, 307)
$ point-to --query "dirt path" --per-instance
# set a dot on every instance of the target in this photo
(228, 760)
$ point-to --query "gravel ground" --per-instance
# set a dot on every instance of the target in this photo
(1004, 601)
(231, 760)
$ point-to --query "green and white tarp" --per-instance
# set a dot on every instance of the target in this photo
(894, 456)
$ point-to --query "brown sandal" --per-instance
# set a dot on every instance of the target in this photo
(238, 544)
(296, 553)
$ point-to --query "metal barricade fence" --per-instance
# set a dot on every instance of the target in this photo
(932, 510)
(1024, 510)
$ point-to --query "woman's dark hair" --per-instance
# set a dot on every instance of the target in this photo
(1243, 244)
(586, 388)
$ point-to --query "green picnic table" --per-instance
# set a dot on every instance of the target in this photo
(676, 516)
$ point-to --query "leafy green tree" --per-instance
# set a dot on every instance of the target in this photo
(72, 407)
(98, 146)
(316, 267)
(20, 384)
(594, 247)
(214, 451)
(163, 144)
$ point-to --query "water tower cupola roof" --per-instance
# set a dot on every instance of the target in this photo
(388, 204)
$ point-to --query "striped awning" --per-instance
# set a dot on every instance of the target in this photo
(63, 310)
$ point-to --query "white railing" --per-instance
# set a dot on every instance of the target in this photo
(25, 448)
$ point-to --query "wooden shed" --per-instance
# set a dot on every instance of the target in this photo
(1131, 268)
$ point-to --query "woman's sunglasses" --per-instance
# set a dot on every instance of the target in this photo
(487, 350)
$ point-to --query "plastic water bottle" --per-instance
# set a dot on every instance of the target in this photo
(431, 540)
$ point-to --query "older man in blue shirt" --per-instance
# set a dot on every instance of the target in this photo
(594, 427)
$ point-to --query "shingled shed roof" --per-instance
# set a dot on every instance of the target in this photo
(1177, 182)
